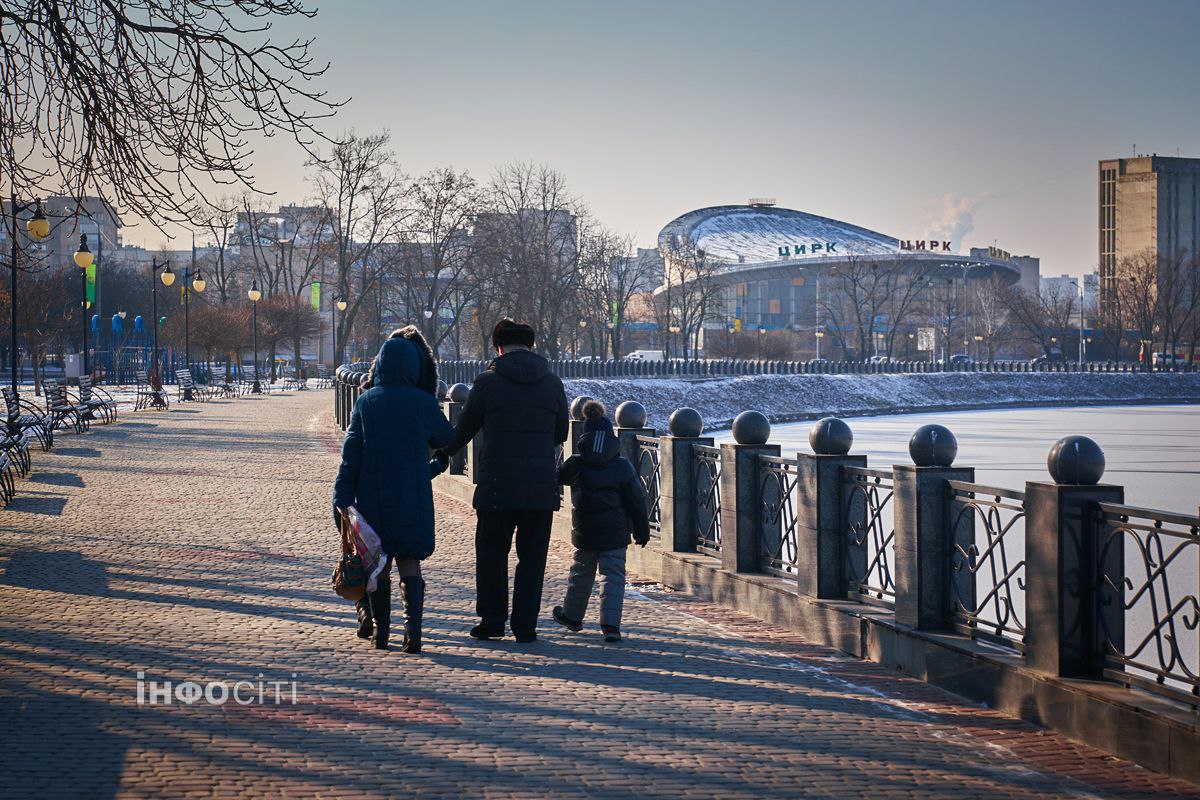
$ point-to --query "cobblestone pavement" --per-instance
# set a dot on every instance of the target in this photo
(196, 545)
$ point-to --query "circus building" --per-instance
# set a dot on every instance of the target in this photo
(772, 269)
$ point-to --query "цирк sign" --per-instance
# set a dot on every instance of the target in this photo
(786, 251)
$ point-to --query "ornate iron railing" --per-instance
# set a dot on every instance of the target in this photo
(706, 522)
(1147, 606)
(987, 563)
(777, 488)
(870, 530)
(648, 470)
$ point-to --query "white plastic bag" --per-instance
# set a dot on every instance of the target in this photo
(367, 545)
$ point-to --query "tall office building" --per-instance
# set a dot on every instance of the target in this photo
(1146, 203)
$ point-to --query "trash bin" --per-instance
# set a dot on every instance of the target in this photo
(73, 368)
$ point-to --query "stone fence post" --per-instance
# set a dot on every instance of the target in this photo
(456, 398)
(631, 423)
(1060, 551)
(741, 492)
(820, 530)
(921, 504)
(677, 479)
(575, 425)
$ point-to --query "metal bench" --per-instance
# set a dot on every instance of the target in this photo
(25, 418)
(249, 373)
(62, 410)
(147, 395)
(186, 387)
(99, 402)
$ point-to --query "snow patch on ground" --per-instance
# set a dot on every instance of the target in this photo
(785, 398)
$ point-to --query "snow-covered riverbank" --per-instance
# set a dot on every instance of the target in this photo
(786, 398)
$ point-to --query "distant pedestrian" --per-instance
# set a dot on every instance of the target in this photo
(519, 409)
(387, 475)
(608, 507)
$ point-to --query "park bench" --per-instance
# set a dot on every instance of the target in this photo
(148, 396)
(25, 418)
(220, 384)
(185, 384)
(99, 402)
(8, 484)
(62, 410)
(247, 380)
(295, 381)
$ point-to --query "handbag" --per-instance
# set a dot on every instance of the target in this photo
(349, 576)
(367, 545)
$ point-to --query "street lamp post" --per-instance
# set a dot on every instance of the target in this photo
(339, 304)
(255, 295)
(820, 334)
(978, 347)
(83, 260)
(38, 228)
(198, 283)
(168, 278)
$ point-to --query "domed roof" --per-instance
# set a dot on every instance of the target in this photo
(761, 233)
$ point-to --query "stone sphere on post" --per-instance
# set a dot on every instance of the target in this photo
(1076, 460)
(685, 423)
(577, 406)
(830, 436)
(631, 414)
(442, 388)
(933, 446)
(751, 427)
(458, 393)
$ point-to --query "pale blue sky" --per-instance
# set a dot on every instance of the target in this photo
(889, 115)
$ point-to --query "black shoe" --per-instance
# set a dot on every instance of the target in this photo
(412, 588)
(481, 631)
(525, 638)
(565, 621)
(381, 610)
(611, 633)
(365, 624)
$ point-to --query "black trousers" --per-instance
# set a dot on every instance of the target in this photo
(493, 540)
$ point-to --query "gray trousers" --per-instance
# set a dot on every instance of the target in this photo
(612, 584)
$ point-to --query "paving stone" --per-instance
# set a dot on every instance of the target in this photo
(196, 545)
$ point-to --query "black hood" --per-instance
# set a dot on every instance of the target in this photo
(597, 448)
(521, 366)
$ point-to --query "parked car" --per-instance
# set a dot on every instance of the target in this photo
(1169, 360)
(818, 362)
(961, 358)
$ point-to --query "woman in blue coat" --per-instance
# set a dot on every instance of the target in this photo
(386, 474)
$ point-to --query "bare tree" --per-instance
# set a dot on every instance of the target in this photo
(432, 267)
(217, 222)
(148, 103)
(365, 192)
(529, 237)
(689, 297)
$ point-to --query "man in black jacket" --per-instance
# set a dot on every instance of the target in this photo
(519, 408)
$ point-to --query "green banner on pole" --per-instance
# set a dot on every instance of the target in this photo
(316, 295)
(91, 283)
(616, 313)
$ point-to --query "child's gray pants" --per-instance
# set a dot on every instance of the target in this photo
(583, 578)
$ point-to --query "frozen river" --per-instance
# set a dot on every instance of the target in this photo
(1154, 451)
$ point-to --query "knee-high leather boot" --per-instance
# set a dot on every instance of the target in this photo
(381, 610)
(365, 626)
(413, 589)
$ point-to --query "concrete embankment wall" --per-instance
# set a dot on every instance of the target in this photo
(788, 398)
